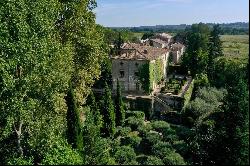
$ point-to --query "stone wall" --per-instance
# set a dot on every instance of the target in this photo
(129, 81)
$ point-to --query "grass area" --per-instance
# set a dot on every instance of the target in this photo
(236, 46)
(138, 34)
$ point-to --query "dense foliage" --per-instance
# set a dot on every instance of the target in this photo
(52, 53)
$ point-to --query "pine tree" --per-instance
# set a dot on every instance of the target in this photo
(108, 113)
(74, 128)
(215, 50)
(119, 106)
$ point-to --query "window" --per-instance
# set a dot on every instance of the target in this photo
(136, 64)
(121, 63)
(121, 73)
(136, 73)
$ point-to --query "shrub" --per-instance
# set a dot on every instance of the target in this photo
(173, 158)
(182, 132)
(141, 159)
(136, 114)
(134, 122)
(133, 141)
(122, 131)
(124, 155)
(201, 80)
(20, 161)
(148, 141)
(161, 149)
(181, 147)
(170, 135)
(62, 154)
(160, 126)
(153, 138)
(152, 160)
(144, 129)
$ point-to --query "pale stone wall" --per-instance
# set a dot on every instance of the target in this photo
(177, 55)
(130, 82)
(129, 67)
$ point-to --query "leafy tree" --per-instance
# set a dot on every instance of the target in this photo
(119, 106)
(237, 123)
(35, 68)
(118, 43)
(106, 74)
(226, 69)
(215, 50)
(108, 113)
(207, 100)
(74, 125)
(195, 58)
(44, 45)
(76, 25)
(62, 153)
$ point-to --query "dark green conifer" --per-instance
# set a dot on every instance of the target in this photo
(74, 127)
(119, 106)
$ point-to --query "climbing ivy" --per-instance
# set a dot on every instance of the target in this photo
(144, 73)
(188, 94)
(158, 70)
(150, 73)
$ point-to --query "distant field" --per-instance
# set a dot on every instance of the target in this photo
(236, 46)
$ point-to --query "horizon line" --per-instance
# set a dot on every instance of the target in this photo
(172, 24)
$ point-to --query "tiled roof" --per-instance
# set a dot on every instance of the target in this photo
(177, 46)
(138, 51)
(159, 41)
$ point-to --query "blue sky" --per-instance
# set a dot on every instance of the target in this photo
(170, 12)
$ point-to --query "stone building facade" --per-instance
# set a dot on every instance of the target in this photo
(127, 61)
(177, 51)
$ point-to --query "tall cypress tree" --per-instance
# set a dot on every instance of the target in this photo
(119, 106)
(108, 113)
(74, 127)
(91, 102)
(215, 50)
